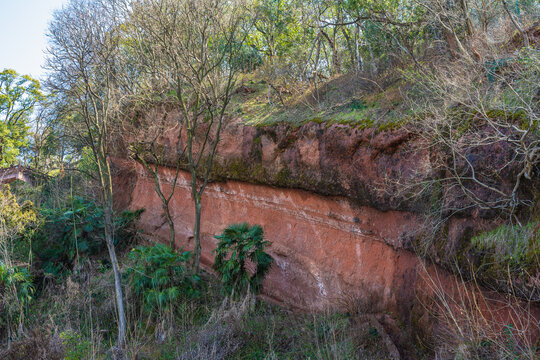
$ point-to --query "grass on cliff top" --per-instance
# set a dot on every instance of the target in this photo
(342, 100)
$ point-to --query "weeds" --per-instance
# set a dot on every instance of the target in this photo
(508, 259)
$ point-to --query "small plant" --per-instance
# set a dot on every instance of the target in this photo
(507, 258)
(238, 244)
(515, 246)
(76, 348)
(158, 275)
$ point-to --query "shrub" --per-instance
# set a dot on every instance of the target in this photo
(16, 288)
(15, 219)
(507, 258)
(469, 325)
(515, 246)
(74, 231)
(35, 345)
(76, 348)
(158, 274)
(238, 244)
(16, 291)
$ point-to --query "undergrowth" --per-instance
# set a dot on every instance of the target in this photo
(79, 314)
(506, 258)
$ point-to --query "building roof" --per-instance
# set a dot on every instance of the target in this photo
(18, 172)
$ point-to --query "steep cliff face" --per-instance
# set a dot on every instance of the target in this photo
(330, 199)
(324, 248)
(393, 170)
(328, 252)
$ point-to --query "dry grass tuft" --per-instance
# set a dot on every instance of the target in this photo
(220, 337)
(36, 345)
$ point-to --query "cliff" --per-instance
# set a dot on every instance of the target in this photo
(335, 203)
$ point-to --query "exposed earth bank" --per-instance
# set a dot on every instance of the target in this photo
(331, 201)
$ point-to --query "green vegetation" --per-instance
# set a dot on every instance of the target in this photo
(513, 245)
(189, 315)
(76, 347)
(238, 244)
(16, 293)
(158, 81)
(208, 326)
(159, 276)
(16, 287)
(64, 235)
(507, 258)
(18, 95)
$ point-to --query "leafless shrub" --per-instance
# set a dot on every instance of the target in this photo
(360, 302)
(473, 326)
(482, 123)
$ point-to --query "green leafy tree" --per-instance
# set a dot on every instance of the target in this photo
(16, 286)
(18, 95)
(238, 244)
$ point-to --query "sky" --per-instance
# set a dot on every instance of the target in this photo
(23, 25)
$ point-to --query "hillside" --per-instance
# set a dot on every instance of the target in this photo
(282, 179)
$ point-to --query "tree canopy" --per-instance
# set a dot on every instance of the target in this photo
(18, 96)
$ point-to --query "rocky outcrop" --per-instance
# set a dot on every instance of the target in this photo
(333, 201)
(395, 170)
(328, 252)
(13, 173)
(323, 247)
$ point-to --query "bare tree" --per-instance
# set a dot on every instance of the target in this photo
(516, 24)
(84, 75)
(189, 46)
(149, 147)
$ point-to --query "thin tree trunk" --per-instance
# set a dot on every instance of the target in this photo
(517, 25)
(372, 63)
(195, 195)
(106, 184)
(197, 232)
(358, 57)
(117, 279)
(9, 331)
(349, 46)
(336, 66)
(316, 41)
(269, 94)
(170, 222)
(468, 22)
